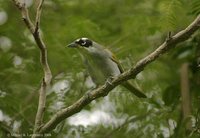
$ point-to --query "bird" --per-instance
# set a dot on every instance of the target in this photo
(101, 63)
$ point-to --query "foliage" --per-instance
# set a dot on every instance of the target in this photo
(131, 29)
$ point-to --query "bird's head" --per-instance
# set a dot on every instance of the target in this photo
(85, 45)
(81, 43)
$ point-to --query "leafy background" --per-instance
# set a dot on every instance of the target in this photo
(129, 28)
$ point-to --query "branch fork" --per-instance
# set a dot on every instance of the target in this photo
(45, 84)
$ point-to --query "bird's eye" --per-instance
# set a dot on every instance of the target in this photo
(83, 43)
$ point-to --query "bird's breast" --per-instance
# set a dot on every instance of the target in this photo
(100, 68)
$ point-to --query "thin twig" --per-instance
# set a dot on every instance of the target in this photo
(34, 29)
(131, 73)
(38, 15)
(25, 15)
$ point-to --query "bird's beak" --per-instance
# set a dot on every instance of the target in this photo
(72, 45)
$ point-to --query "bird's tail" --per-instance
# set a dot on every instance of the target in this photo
(135, 91)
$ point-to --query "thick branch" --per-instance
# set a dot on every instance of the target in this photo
(34, 29)
(107, 87)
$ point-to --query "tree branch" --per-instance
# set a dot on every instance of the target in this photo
(38, 14)
(34, 29)
(25, 15)
(131, 73)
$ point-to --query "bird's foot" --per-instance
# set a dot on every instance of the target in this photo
(109, 80)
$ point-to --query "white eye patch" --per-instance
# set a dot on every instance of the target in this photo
(84, 38)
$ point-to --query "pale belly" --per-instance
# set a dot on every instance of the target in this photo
(101, 69)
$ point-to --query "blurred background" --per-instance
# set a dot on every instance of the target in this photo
(129, 28)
